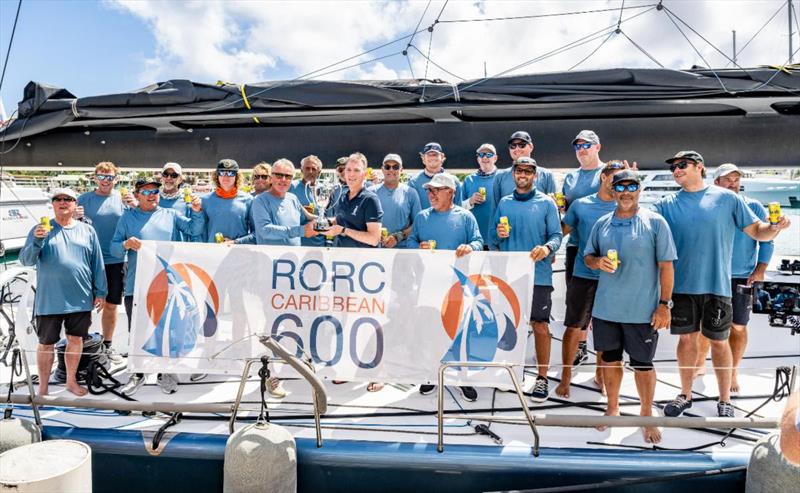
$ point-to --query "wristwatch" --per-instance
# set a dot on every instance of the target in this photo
(668, 303)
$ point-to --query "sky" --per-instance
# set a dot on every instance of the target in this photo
(107, 46)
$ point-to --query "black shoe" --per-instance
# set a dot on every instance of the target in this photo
(469, 393)
(541, 390)
(677, 406)
(426, 389)
(582, 356)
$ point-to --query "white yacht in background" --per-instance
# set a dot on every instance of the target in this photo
(20, 209)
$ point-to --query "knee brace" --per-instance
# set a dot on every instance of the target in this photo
(612, 356)
(641, 366)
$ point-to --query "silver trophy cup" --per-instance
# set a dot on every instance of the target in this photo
(321, 195)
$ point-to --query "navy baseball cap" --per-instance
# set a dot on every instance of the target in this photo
(432, 146)
(693, 155)
(520, 135)
(626, 175)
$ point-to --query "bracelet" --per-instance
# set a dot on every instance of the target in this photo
(344, 232)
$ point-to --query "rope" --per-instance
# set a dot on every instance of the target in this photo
(10, 42)
(247, 103)
(95, 376)
(755, 35)
(541, 16)
(648, 55)
(610, 35)
(173, 420)
(669, 16)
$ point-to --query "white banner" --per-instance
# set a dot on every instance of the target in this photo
(361, 315)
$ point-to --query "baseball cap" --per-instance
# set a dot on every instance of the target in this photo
(487, 146)
(432, 146)
(693, 155)
(227, 164)
(64, 191)
(342, 161)
(441, 180)
(587, 136)
(520, 135)
(173, 166)
(726, 169)
(143, 182)
(626, 175)
(524, 161)
(393, 157)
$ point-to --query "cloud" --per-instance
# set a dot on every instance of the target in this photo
(240, 41)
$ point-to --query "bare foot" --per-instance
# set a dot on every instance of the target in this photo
(563, 390)
(651, 434)
(374, 386)
(700, 371)
(43, 390)
(734, 383)
(609, 412)
(598, 381)
(76, 389)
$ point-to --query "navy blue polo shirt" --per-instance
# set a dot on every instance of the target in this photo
(355, 213)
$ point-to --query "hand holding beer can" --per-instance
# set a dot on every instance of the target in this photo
(432, 244)
(123, 191)
(561, 201)
(614, 257)
(482, 191)
(187, 195)
(219, 237)
(504, 222)
(384, 234)
(774, 212)
(45, 222)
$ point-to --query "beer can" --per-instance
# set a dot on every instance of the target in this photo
(614, 257)
(774, 212)
(45, 222)
(369, 173)
(482, 191)
(219, 237)
(123, 191)
(384, 233)
(504, 222)
(187, 195)
(432, 244)
(561, 201)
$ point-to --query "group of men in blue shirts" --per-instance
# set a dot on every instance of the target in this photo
(686, 261)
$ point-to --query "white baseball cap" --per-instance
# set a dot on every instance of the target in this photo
(173, 166)
(441, 180)
(726, 169)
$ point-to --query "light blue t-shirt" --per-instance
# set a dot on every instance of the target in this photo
(577, 184)
(278, 221)
(450, 229)
(581, 216)
(400, 207)
(533, 222)
(630, 295)
(178, 205)
(703, 225)
(104, 211)
(69, 268)
(158, 225)
(231, 217)
(418, 181)
(482, 212)
(747, 251)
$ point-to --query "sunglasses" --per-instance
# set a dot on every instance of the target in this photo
(434, 191)
(630, 187)
(148, 192)
(63, 199)
(105, 177)
(524, 171)
(391, 167)
(485, 154)
(679, 165)
(282, 176)
(517, 145)
(227, 173)
(170, 175)
(585, 145)
(261, 177)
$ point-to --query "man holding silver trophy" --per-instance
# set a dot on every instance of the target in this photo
(306, 189)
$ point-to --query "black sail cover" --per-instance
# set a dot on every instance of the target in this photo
(749, 116)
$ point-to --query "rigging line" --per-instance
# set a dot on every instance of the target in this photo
(540, 16)
(641, 49)
(417, 29)
(427, 63)
(796, 23)
(610, 35)
(573, 44)
(767, 82)
(357, 64)
(621, 9)
(408, 59)
(441, 12)
(437, 65)
(755, 35)
(669, 16)
(10, 42)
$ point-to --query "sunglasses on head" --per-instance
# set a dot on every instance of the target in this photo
(167, 174)
(585, 145)
(261, 177)
(105, 177)
(517, 145)
(630, 187)
(679, 165)
(227, 173)
(63, 199)
(485, 154)
(391, 167)
(148, 192)
(282, 176)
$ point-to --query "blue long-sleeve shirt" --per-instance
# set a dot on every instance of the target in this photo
(158, 225)
(580, 183)
(231, 217)
(278, 221)
(70, 270)
(581, 216)
(449, 229)
(104, 211)
(418, 181)
(747, 251)
(400, 207)
(504, 185)
(482, 212)
(182, 208)
(533, 222)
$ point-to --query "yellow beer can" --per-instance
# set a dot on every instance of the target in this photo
(561, 201)
(504, 222)
(187, 195)
(384, 233)
(432, 244)
(219, 237)
(774, 212)
(123, 191)
(482, 191)
(45, 222)
(614, 257)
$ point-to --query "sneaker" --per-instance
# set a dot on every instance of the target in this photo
(196, 377)
(426, 389)
(677, 407)
(541, 390)
(582, 356)
(469, 393)
(167, 383)
(134, 384)
(275, 388)
(113, 355)
(725, 410)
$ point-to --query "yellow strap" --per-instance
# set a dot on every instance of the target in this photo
(247, 103)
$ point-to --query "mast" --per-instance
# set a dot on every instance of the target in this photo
(789, 19)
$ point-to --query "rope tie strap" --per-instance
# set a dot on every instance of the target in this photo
(247, 103)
